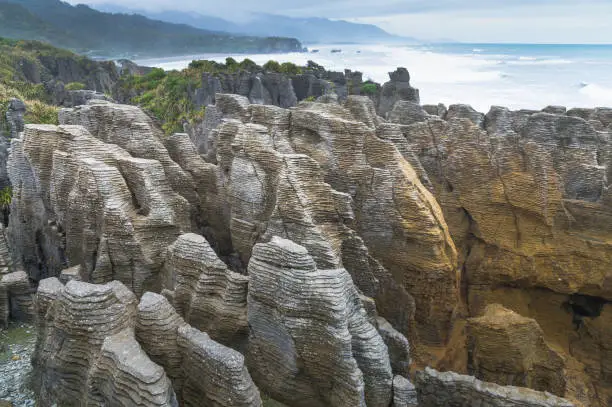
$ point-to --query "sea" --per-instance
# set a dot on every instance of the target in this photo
(518, 76)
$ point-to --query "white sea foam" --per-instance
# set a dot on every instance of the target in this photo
(536, 61)
(601, 95)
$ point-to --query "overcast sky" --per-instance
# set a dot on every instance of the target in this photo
(565, 21)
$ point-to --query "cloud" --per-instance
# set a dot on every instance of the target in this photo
(336, 8)
(544, 23)
(475, 20)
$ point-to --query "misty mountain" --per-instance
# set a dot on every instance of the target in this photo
(85, 29)
(310, 30)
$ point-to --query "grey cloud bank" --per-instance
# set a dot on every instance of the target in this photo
(553, 21)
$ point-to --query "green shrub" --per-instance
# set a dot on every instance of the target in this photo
(290, 68)
(369, 88)
(272, 66)
(6, 196)
(75, 86)
(249, 65)
(310, 99)
(38, 112)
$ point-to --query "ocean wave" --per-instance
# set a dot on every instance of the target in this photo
(536, 61)
(602, 95)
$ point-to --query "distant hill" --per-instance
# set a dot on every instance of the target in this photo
(82, 28)
(308, 30)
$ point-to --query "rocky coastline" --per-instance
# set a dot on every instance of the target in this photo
(314, 244)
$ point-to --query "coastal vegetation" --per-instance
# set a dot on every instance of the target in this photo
(369, 88)
(21, 63)
(170, 96)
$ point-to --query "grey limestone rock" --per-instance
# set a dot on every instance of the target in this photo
(436, 110)
(398, 88)
(16, 297)
(203, 371)
(82, 97)
(73, 323)
(464, 112)
(82, 202)
(555, 109)
(363, 109)
(322, 152)
(404, 393)
(15, 117)
(123, 375)
(397, 346)
(296, 310)
(453, 390)
(407, 112)
(207, 294)
(98, 347)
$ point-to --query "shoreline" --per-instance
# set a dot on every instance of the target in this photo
(465, 73)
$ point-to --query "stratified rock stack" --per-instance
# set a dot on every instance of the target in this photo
(83, 329)
(453, 390)
(364, 201)
(15, 117)
(203, 371)
(16, 297)
(527, 199)
(206, 293)
(82, 202)
(510, 349)
(87, 353)
(123, 375)
(397, 89)
(316, 240)
(311, 343)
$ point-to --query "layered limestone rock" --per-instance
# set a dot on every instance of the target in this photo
(16, 297)
(89, 352)
(262, 192)
(131, 129)
(86, 353)
(123, 375)
(6, 263)
(527, 179)
(203, 371)
(205, 292)
(278, 89)
(526, 197)
(263, 88)
(510, 349)
(397, 218)
(316, 176)
(396, 89)
(81, 202)
(11, 124)
(453, 390)
(311, 343)
(327, 221)
(15, 117)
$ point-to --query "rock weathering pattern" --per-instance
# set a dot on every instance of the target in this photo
(315, 252)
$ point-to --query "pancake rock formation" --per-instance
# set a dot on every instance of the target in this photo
(320, 254)
(450, 389)
(98, 346)
(527, 199)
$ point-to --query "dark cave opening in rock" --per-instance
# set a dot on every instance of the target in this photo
(583, 306)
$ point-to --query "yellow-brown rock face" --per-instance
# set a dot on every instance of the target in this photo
(527, 198)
